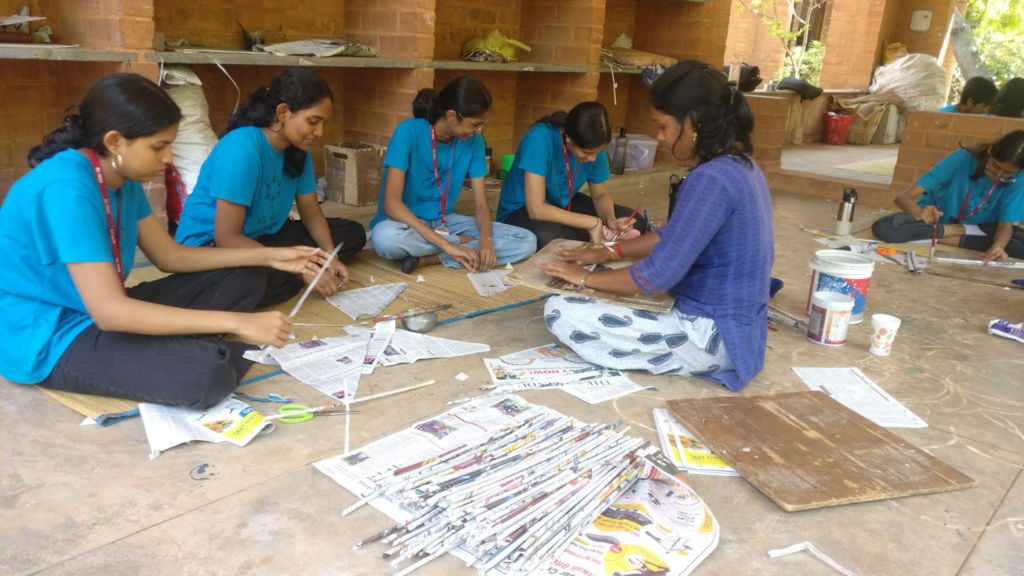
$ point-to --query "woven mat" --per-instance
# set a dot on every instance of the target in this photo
(440, 286)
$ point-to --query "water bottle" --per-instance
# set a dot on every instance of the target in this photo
(844, 219)
(619, 157)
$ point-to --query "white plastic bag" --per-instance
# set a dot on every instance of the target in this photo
(196, 137)
(918, 79)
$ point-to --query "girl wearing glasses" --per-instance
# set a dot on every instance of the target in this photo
(971, 199)
(556, 157)
(428, 158)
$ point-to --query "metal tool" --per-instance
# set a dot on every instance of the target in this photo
(297, 413)
(912, 265)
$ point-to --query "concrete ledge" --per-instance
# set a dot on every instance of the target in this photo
(42, 52)
(818, 186)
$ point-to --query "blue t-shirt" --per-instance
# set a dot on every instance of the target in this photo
(949, 108)
(54, 216)
(540, 152)
(245, 169)
(949, 182)
(411, 152)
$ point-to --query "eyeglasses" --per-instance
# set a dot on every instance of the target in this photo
(996, 176)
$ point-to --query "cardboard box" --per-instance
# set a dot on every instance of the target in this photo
(354, 172)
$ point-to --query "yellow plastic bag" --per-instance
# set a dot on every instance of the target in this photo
(494, 47)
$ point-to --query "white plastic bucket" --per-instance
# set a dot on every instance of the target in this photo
(842, 272)
(830, 318)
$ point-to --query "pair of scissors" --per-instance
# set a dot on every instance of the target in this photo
(305, 413)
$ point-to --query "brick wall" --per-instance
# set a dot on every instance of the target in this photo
(930, 136)
(750, 40)
(539, 94)
(854, 36)
(771, 114)
(376, 100)
(562, 31)
(397, 28)
(459, 21)
(216, 22)
(932, 41)
(688, 31)
(619, 17)
(618, 113)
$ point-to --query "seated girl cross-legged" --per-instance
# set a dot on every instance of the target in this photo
(970, 199)
(714, 255)
(428, 158)
(68, 235)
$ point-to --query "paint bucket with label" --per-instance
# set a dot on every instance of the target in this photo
(843, 273)
(830, 318)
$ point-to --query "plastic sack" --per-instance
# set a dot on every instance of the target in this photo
(196, 137)
(492, 48)
(918, 79)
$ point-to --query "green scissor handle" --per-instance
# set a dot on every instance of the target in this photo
(296, 419)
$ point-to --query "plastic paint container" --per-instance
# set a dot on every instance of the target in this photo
(842, 272)
(830, 318)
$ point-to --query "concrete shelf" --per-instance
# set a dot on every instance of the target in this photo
(506, 66)
(241, 57)
(42, 52)
(606, 69)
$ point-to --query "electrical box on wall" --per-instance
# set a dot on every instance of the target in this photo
(921, 21)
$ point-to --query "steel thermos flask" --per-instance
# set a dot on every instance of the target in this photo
(844, 219)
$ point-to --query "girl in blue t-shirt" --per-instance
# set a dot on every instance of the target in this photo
(971, 199)
(68, 233)
(261, 166)
(555, 158)
(428, 158)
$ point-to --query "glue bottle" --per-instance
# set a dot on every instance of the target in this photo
(844, 219)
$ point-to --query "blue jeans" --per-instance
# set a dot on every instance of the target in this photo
(396, 241)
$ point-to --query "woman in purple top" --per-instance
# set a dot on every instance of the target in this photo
(714, 256)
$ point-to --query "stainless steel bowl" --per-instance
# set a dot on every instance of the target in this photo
(420, 323)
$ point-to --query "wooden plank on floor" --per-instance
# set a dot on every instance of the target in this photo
(805, 450)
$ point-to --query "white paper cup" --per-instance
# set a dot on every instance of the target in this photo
(883, 332)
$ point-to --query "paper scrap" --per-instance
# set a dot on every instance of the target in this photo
(261, 356)
(16, 19)
(420, 278)
(331, 365)
(810, 548)
(508, 266)
(491, 282)
(88, 422)
(231, 420)
(462, 377)
(366, 302)
(851, 388)
(382, 334)
(408, 347)
(542, 363)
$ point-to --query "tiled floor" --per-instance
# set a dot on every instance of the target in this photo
(87, 500)
(823, 159)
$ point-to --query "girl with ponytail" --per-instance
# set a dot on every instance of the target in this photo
(714, 256)
(68, 234)
(429, 156)
(556, 157)
(261, 166)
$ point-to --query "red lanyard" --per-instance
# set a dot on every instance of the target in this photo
(115, 231)
(437, 176)
(960, 217)
(570, 181)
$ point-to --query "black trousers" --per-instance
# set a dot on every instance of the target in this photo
(581, 204)
(281, 285)
(903, 227)
(190, 371)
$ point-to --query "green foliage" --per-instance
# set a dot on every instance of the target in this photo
(810, 67)
(768, 12)
(997, 27)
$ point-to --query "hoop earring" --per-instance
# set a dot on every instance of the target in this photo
(117, 162)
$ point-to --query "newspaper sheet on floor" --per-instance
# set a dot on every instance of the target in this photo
(408, 347)
(366, 302)
(685, 450)
(382, 334)
(851, 388)
(231, 421)
(660, 527)
(331, 365)
(491, 282)
(607, 385)
(550, 362)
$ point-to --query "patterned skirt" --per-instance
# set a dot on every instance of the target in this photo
(622, 338)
